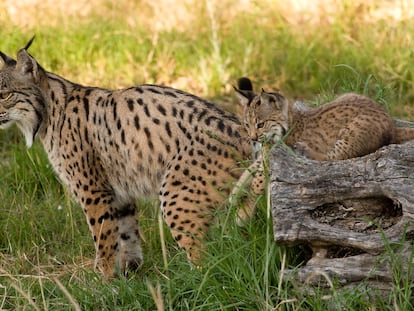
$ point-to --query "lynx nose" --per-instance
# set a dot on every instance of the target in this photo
(253, 136)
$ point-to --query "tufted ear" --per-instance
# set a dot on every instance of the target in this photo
(244, 91)
(244, 97)
(28, 44)
(7, 61)
(245, 84)
(27, 65)
(273, 101)
(10, 62)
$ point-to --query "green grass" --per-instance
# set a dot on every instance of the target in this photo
(45, 245)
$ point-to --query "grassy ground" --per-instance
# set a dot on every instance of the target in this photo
(312, 53)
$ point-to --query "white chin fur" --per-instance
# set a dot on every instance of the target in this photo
(6, 125)
(28, 134)
(257, 147)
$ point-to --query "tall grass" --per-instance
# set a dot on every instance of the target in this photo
(46, 253)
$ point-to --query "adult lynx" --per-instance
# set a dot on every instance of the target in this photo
(111, 147)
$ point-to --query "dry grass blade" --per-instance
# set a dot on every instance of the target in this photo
(281, 274)
(163, 242)
(14, 284)
(72, 300)
(282, 303)
(157, 296)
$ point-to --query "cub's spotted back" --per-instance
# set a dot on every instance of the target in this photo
(350, 126)
(112, 147)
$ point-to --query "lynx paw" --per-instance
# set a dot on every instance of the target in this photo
(302, 149)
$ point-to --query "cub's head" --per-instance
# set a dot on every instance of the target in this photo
(265, 114)
(21, 98)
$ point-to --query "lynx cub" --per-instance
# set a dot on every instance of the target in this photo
(350, 126)
(111, 147)
(253, 178)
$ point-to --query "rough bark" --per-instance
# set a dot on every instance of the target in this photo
(356, 215)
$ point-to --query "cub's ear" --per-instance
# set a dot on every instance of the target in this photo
(244, 97)
(274, 100)
(7, 61)
(27, 65)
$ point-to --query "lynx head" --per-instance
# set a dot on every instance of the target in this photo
(265, 114)
(21, 98)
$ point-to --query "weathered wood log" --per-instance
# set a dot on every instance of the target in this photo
(349, 212)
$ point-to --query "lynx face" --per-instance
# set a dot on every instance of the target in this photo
(20, 99)
(265, 115)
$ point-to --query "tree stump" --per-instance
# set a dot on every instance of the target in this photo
(356, 215)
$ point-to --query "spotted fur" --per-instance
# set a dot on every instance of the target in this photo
(350, 126)
(112, 147)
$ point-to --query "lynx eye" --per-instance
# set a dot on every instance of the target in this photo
(260, 125)
(5, 95)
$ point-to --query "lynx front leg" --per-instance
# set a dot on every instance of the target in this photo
(254, 180)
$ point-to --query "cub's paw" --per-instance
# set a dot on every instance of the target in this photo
(302, 149)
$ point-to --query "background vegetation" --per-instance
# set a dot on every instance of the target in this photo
(311, 50)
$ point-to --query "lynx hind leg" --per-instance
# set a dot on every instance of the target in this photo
(305, 150)
(188, 204)
(358, 140)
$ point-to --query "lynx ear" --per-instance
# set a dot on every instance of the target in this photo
(7, 61)
(28, 44)
(27, 65)
(244, 97)
(244, 91)
(274, 100)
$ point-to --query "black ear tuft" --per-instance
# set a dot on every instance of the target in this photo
(245, 84)
(8, 61)
(27, 46)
